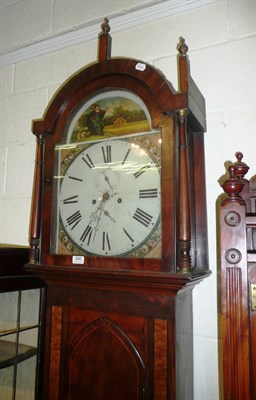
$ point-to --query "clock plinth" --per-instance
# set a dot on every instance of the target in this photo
(119, 230)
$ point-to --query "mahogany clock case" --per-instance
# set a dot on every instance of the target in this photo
(120, 325)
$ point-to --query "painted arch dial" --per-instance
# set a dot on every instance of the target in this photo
(109, 201)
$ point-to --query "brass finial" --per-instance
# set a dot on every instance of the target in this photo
(105, 26)
(182, 47)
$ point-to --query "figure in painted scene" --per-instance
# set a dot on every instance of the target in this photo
(95, 121)
(109, 116)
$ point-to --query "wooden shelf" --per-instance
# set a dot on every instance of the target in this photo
(9, 355)
(17, 330)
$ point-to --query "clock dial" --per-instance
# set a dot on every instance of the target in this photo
(109, 197)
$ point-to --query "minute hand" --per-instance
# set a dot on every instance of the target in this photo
(96, 215)
(107, 180)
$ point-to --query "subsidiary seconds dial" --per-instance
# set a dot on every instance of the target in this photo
(109, 201)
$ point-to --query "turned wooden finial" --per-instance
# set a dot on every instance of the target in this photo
(104, 52)
(233, 186)
(241, 167)
(183, 65)
(241, 171)
(105, 26)
(182, 47)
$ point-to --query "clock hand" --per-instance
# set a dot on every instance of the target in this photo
(108, 215)
(107, 179)
(96, 215)
(99, 209)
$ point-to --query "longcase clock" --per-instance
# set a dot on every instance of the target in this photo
(118, 230)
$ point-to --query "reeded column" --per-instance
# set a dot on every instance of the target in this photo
(184, 229)
(35, 224)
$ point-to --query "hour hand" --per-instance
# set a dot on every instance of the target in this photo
(109, 216)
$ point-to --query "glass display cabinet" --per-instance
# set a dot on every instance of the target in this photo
(20, 323)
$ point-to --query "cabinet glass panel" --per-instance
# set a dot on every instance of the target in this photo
(8, 311)
(29, 308)
(6, 383)
(19, 331)
(25, 383)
